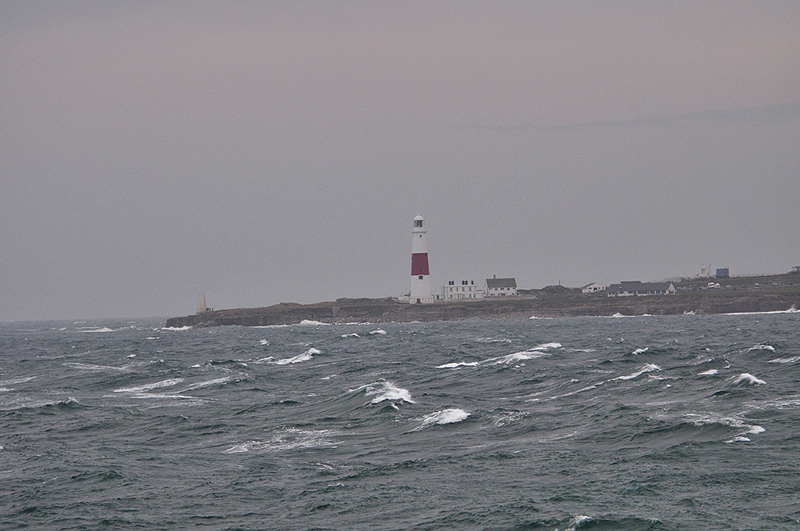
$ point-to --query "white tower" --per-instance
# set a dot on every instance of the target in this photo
(420, 272)
(201, 303)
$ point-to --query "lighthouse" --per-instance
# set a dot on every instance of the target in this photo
(420, 272)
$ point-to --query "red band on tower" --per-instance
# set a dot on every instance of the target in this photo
(419, 264)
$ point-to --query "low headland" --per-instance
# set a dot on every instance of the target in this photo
(766, 293)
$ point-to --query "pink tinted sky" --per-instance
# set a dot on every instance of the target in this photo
(278, 152)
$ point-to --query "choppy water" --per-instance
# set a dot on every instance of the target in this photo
(643, 423)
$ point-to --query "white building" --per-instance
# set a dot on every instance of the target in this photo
(467, 289)
(594, 287)
(638, 288)
(420, 271)
(501, 287)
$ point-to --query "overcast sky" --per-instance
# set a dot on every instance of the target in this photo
(264, 152)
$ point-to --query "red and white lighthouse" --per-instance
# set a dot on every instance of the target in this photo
(420, 271)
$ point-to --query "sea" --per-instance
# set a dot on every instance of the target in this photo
(593, 423)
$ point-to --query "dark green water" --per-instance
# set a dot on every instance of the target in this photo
(643, 423)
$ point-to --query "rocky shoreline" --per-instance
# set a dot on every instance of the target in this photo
(740, 295)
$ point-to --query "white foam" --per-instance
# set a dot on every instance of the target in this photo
(199, 385)
(14, 381)
(762, 347)
(305, 356)
(640, 351)
(95, 368)
(459, 364)
(785, 360)
(492, 340)
(98, 330)
(445, 416)
(384, 390)
(648, 367)
(351, 335)
(177, 328)
(263, 342)
(749, 379)
(578, 521)
(710, 372)
(149, 387)
(378, 332)
(309, 322)
(535, 352)
(287, 439)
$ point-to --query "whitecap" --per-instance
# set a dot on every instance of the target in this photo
(149, 387)
(749, 379)
(287, 439)
(445, 416)
(762, 347)
(793, 359)
(207, 383)
(177, 328)
(14, 381)
(710, 372)
(459, 364)
(492, 340)
(378, 332)
(578, 521)
(351, 335)
(640, 351)
(305, 356)
(263, 342)
(95, 368)
(384, 390)
(98, 330)
(648, 367)
(309, 322)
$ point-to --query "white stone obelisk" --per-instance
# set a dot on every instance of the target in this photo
(420, 271)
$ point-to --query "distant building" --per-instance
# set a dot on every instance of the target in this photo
(594, 287)
(635, 287)
(723, 273)
(465, 290)
(501, 287)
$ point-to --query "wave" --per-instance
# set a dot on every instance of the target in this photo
(445, 416)
(640, 351)
(379, 331)
(648, 367)
(383, 391)
(97, 368)
(149, 387)
(309, 322)
(761, 347)
(287, 439)
(177, 328)
(532, 353)
(710, 372)
(748, 379)
(103, 330)
(793, 359)
(15, 381)
(200, 385)
(305, 356)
